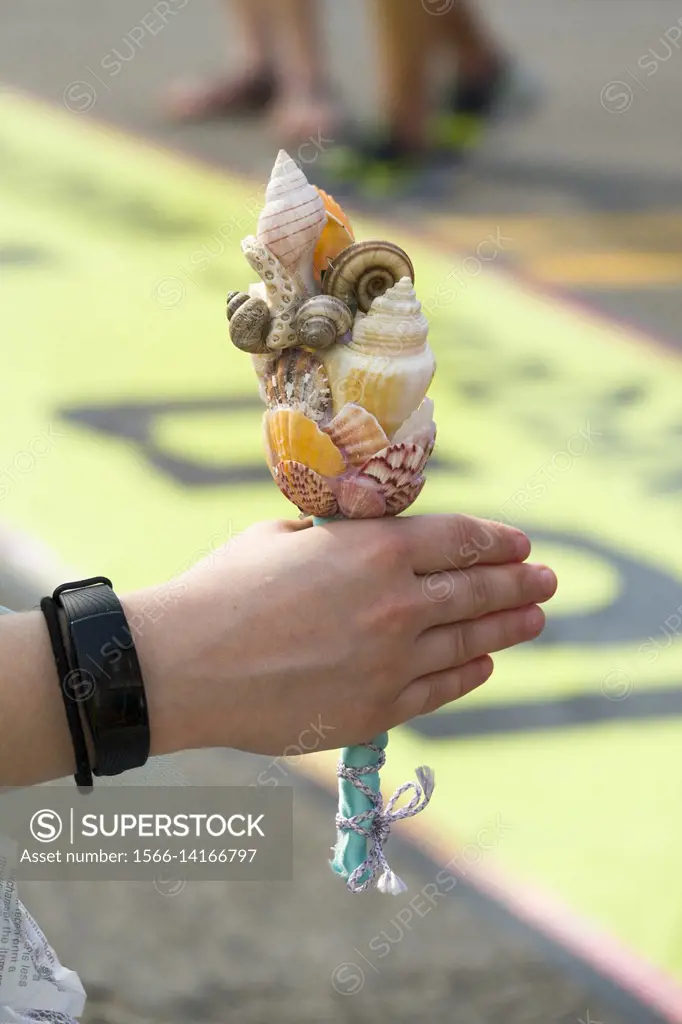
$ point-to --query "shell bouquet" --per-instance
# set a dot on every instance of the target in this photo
(340, 347)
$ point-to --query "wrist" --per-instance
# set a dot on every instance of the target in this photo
(176, 719)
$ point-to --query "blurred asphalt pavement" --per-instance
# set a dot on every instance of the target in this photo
(261, 953)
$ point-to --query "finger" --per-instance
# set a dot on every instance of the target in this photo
(447, 542)
(447, 647)
(470, 593)
(272, 526)
(433, 691)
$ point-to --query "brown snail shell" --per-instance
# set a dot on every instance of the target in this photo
(249, 322)
(366, 270)
(321, 320)
(234, 301)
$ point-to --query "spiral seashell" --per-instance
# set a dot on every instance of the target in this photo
(249, 322)
(296, 380)
(357, 434)
(364, 271)
(292, 436)
(305, 488)
(293, 217)
(321, 320)
(234, 301)
(388, 366)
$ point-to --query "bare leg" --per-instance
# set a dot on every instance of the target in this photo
(403, 38)
(251, 18)
(304, 108)
(249, 89)
(462, 31)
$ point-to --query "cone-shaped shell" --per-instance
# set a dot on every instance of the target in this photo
(294, 215)
(388, 366)
(305, 488)
(290, 435)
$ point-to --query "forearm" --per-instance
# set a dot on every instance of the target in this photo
(35, 744)
(34, 738)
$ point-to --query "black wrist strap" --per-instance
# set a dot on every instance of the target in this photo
(83, 773)
(101, 650)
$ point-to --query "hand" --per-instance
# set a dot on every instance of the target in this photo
(338, 632)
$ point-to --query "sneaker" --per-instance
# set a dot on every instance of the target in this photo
(373, 167)
(472, 106)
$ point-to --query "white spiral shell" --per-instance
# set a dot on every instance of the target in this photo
(388, 366)
(293, 217)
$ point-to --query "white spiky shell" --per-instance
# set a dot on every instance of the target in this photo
(293, 217)
(388, 366)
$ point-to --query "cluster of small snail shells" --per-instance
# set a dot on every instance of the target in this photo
(358, 275)
(249, 320)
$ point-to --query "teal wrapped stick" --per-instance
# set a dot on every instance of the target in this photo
(363, 824)
(350, 852)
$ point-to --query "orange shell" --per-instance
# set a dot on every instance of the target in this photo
(336, 212)
(290, 436)
(336, 236)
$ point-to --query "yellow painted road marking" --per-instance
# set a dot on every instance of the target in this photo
(621, 250)
(129, 428)
(607, 269)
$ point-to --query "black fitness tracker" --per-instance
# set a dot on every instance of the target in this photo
(105, 679)
(83, 773)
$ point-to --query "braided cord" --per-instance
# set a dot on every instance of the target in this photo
(375, 824)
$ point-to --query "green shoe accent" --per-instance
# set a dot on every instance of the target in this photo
(457, 131)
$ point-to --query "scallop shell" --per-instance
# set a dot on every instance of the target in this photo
(336, 236)
(357, 433)
(419, 428)
(360, 498)
(406, 496)
(291, 436)
(297, 380)
(305, 488)
(388, 366)
(395, 468)
(293, 217)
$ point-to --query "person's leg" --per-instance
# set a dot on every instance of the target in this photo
(304, 107)
(408, 34)
(249, 89)
(486, 82)
(384, 160)
(462, 31)
(403, 41)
